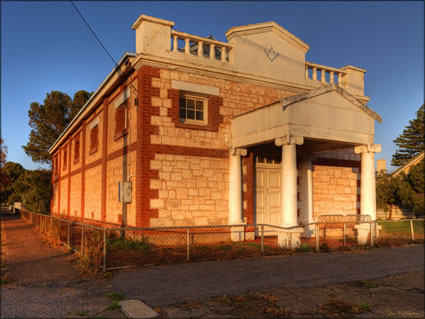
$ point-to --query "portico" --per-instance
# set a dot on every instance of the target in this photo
(324, 119)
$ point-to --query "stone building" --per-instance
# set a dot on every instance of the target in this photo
(193, 131)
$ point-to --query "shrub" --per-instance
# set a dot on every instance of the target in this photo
(304, 248)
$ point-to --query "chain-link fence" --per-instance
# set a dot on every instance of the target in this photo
(115, 248)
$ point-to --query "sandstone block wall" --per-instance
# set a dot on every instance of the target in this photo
(192, 190)
(336, 183)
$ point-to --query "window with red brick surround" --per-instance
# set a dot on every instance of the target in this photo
(77, 149)
(193, 109)
(55, 165)
(65, 156)
(94, 139)
(213, 116)
(120, 120)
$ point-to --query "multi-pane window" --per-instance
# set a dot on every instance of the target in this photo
(193, 109)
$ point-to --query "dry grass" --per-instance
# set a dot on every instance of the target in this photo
(90, 261)
(53, 234)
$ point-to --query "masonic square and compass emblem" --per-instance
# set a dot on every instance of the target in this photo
(271, 53)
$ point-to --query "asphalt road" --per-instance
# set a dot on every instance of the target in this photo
(170, 284)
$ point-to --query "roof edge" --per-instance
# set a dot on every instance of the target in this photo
(326, 89)
(408, 164)
(123, 58)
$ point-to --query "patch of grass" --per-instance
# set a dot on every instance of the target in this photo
(5, 280)
(201, 248)
(113, 306)
(225, 247)
(116, 296)
(341, 307)
(223, 300)
(255, 245)
(82, 313)
(254, 306)
(124, 244)
(367, 284)
(304, 248)
(324, 248)
(277, 312)
(362, 308)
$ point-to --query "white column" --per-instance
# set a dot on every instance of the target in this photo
(235, 186)
(367, 178)
(306, 180)
(288, 177)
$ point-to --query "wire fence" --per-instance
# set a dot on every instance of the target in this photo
(124, 247)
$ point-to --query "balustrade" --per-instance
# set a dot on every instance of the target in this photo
(199, 44)
(323, 70)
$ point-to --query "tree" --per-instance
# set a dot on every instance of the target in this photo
(48, 120)
(3, 152)
(80, 98)
(411, 190)
(387, 192)
(36, 189)
(411, 141)
(10, 172)
(3, 177)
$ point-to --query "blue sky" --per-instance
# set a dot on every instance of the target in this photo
(46, 46)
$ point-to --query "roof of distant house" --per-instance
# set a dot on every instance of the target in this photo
(413, 161)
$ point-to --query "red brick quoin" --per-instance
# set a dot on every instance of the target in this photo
(145, 151)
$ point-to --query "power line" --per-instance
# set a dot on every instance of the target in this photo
(98, 40)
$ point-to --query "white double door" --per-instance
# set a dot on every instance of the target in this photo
(268, 194)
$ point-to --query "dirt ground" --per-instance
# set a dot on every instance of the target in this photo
(399, 296)
(38, 281)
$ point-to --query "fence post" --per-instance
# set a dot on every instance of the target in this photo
(317, 237)
(45, 224)
(412, 231)
(262, 238)
(68, 236)
(345, 243)
(188, 244)
(371, 233)
(82, 240)
(104, 250)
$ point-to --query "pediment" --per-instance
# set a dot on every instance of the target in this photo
(331, 95)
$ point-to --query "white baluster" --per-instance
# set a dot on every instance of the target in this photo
(314, 77)
(200, 48)
(223, 54)
(231, 56)
(306, 72)
(186, 46)
(175, 44)
(331, 77)
(212, 51)
(340, 79)
(323, 75)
